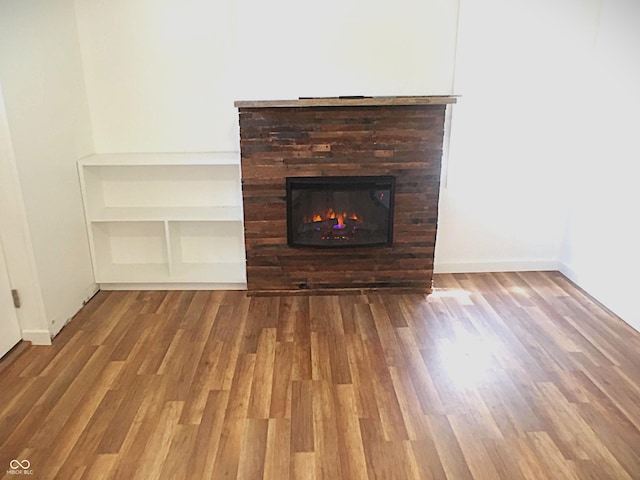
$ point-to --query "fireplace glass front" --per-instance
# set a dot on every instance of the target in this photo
(328, 212)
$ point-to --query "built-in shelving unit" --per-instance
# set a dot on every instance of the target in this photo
(164, 220)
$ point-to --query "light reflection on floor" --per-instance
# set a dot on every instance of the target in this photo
(467, 360)
(450, 293)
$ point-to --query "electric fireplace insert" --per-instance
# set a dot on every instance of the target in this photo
(330, 212)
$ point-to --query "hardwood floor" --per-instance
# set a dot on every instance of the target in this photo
(494, 376)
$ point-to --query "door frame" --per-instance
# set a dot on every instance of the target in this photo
(16, 242)
(12, 334)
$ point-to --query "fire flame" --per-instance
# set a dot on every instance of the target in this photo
(330, 214)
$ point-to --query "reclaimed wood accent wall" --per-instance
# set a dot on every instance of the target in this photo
(400, 140)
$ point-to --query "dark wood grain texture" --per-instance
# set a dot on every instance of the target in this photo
(400, 140)
(493, 376)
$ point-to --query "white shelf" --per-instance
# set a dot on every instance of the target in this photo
(135, 214)
(164, 218)
(132, 273)
(156, 159)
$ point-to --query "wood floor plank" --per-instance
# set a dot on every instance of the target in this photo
(289, 308)
(362, 375)
(350, 447)
(427, 459)
(492, 376)
(303, 466)
(85, 448)
(182, 446)
(203, 455)
(621, 441)
(165, 331)
(280, 406)
(323, 315)
(262, 384)
(320, 357)
(476, 455)
(118, 429)
(386, 334)
(448, 448)
(417, 371)
(77, 420)
(277, 459)
(64, 400)
(385, 459)
(326, 444)
(338, 358)
(389, 410)
(347, 310)
(415, 421)
(302, 437)
(21, 418)
(253, 449)
(302, 342)
(504, 462)
(228, 455)
(100, 467)
(137, 432)
(153, 456)
(202, 383)
(549, 457)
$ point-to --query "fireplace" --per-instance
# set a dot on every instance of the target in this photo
(338, 212)
(301, 140)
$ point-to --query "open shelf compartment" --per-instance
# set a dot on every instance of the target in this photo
(153, 191)
(130, 252)
(207, 251)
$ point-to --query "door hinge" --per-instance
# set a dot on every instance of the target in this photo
(16, 298)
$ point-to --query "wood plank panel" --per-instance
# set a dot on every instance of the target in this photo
(400, 140)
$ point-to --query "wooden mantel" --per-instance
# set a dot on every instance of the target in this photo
(400, 136)
(356, 101)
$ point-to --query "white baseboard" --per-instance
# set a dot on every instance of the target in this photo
(600, 296)
(568, 272)
(37, 337)
(90, 292)
(496, 266)
(173, 286)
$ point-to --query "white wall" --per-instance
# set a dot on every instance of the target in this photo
(163, 76)
(504, 205)
(160, 75)
(600, 248)
(288, 48)
(44, 94)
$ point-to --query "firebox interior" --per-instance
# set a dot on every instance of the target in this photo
(340, 211)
